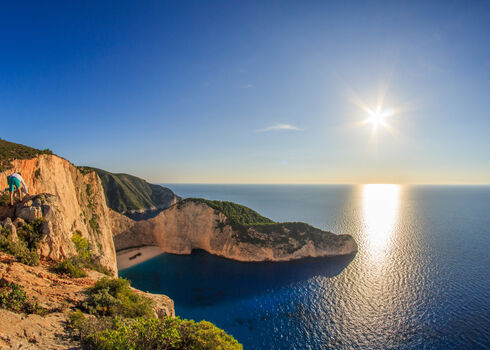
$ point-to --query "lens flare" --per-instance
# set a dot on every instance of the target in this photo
(378, 117)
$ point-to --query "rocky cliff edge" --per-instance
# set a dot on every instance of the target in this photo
(74, 202)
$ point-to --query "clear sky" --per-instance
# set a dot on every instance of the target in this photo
(252, 91)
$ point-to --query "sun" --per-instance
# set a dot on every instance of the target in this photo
(379, 116)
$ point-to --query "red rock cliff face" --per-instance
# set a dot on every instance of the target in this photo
(80, 204)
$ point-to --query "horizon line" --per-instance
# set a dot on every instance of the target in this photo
(329, 183)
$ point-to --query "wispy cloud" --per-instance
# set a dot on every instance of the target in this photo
(279, 127)
(248, 86)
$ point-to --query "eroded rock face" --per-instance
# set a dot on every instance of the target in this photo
(73, 201)
(56, 243)
(30, 209)
(191, 225)
(163, 306)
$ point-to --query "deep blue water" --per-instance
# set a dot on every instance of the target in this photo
(420, 280)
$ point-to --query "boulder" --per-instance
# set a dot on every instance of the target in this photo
(9, 225)
(163, 306)
(6, 212)
(29, 210)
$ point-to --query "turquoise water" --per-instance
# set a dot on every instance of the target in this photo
(420, 280)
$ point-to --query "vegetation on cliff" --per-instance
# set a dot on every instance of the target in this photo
(122, 319)
(125, 192)
(237, 214)
(114, 297)
(10, 151)
(14, 298)
(24, 246)
(288, 236)
(73, 266)
(150, 333)
(70, 267)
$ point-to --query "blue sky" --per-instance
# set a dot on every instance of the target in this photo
(252, 91)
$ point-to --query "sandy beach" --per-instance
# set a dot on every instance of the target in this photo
(133, 256)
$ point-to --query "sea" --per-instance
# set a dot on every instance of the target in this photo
(420, 280)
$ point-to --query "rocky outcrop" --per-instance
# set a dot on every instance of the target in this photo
(57, 232)
(72, 201)
(11, 227)
(194, 225)
(162, 306)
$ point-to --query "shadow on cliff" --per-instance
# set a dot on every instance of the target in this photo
(201, 279)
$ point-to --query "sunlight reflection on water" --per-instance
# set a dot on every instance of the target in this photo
(380, 213)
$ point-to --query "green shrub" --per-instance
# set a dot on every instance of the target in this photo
(149, 333)
(89, 191)
(18, 249)
(71, 267)
(14, 298)
(24, 255)
(94, 224)
(31, 233)
(122, 319)
(90, 197)
(111, 297)
(84, 170)
(85, 255)
(82, 246)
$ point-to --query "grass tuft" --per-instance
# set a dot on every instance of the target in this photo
(71, 267)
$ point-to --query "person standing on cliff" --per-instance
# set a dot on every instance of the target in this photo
(14, 180)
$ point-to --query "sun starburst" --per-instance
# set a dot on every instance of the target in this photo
(379, 116)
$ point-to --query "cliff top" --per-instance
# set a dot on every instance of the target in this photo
(237, 214)
(10, 151)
